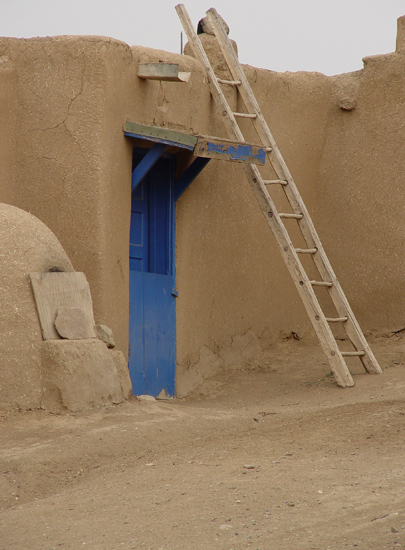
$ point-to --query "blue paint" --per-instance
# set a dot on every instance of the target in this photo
(138, 238)
(189, 175)
(147, 163)
(152, 332)
(240, 152)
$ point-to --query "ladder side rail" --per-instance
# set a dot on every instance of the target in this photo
(230, 122)
(247, 95)
(300, 278)
(306, 225)
(341, 303)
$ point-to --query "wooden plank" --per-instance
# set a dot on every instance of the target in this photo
(166, 72)
(147, 163)
(61, 290)
(189, 176)
(225, 150)
(160, 135)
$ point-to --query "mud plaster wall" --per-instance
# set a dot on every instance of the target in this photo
(66, 160)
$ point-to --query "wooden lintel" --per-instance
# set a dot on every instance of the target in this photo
(230, 150)
(167, 72)
(202, 146)
(160, 135)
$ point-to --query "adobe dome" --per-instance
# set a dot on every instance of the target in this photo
(27, 245)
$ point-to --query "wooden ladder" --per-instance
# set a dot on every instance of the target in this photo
(291, 254)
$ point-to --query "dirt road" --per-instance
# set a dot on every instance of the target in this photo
(273, 456)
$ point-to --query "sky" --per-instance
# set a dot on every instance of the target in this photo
(327, 36)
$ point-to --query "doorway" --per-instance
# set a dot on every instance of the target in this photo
(152, 317)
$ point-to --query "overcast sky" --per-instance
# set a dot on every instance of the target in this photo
(329, 36)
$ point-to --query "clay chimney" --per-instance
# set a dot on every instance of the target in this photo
(400, 47)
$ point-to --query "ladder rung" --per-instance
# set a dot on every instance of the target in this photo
(306, 250)
(321, 283)
(336, 319)
(353, 353)
(291, 216)
(245, 115)
(272, 182)
(230, 82)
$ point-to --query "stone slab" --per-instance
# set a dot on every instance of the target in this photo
(59, 289)
(71, 324)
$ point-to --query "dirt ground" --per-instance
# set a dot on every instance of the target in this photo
(273, 456)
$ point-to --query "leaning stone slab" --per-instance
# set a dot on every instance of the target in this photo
(78, 375)
(58, 289)
(71, 323)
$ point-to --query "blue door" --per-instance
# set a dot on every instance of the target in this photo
(152, 317)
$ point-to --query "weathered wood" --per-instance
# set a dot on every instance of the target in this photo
(226, 150)
(320, 283)
(307, 228)
(61, 290)
(166, 72)
(274, 182)
(291, 216)
(229, 82)
(306, 250)
(245, 115)
(160, 135)
(299, 276)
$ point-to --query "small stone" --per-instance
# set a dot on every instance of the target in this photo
(105, 334)
(249, 467)
(225, 527)
(347, 104)
(393, 530)
(204, 26)
(146, 398)
(249, 537)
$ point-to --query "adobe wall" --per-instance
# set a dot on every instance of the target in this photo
(66, 160)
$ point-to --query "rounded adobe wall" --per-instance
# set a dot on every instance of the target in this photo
(27, 246)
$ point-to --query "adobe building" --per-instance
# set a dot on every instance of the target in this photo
(209, 277)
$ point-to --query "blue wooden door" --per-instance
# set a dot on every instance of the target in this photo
(152, 328)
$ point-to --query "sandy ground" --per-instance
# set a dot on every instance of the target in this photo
(273, 456)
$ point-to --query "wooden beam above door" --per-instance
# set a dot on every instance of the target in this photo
(201, 146)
